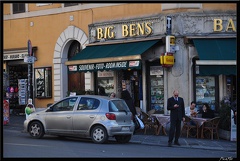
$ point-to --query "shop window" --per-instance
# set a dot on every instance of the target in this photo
(157, 88)
(18, 8)
(43, 82)
(205, 91)
(106, 80)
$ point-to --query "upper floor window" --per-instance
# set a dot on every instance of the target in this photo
(18, 8)
(70, 4)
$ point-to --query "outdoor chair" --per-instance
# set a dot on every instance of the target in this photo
(210, 127)
(138, 110)
(190, 127)
(150, 123)
(152, 111)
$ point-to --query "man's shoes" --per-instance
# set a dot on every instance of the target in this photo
(169, 144)
(176, 143)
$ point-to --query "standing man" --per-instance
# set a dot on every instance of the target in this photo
(176, 105)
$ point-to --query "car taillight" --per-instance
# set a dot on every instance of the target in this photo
(111, 116)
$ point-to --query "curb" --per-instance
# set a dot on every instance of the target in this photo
(186, 146)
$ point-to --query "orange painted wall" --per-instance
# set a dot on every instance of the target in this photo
(46, 29)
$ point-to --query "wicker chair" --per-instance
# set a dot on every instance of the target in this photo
(190, 126)
(149, 123)
(210, 127)
(152, 111)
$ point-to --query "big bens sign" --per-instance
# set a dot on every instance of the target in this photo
(138, 29)
(156, 26)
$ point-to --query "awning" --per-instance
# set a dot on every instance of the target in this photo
(216, 56)
(206, 70)
(109, 57)
(216, 49)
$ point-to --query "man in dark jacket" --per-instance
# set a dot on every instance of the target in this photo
(176, 105)
(129, 101)
(101, 91)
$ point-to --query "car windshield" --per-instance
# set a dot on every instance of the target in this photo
(118, 105)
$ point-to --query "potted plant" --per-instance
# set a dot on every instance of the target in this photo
(225, 119)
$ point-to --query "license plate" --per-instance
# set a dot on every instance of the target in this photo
(125, 128)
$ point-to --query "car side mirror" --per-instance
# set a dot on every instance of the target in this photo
(49, 109)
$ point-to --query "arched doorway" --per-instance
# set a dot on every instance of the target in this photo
(76, 81)
(62, 47)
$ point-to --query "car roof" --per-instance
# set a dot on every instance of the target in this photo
(97, 96)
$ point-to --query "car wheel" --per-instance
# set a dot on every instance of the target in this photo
(123, 138)
(36, 130)
(99, 135)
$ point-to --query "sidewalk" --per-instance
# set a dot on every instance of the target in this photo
(160, 140)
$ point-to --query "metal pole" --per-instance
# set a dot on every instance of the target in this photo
(29, 80)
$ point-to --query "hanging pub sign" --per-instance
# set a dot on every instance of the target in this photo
(105, 66)
(167, 59)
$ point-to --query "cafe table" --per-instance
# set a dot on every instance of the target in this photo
(163, 120)
(200, 122)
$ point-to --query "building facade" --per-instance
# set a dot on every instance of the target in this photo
(77, 47)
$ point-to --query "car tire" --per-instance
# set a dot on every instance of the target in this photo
(99, 135)
(36, 130)
(123, 138)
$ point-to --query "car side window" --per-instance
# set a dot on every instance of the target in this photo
(88, 103)
(65, 105)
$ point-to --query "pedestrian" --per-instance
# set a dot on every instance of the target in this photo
(176, 105)
(101, 91)
(29, 109)
(234, 109)
(125, 95)
(112, 95)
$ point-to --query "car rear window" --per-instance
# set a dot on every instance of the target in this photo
(118, 105)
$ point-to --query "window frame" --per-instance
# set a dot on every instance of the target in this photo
(70, 4)
(16, 8)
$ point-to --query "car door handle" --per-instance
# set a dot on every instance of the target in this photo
(91, 116)
(68, 117)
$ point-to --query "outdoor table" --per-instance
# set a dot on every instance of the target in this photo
(200, 122)
(163, 120)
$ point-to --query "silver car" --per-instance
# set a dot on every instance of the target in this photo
(87, 116)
